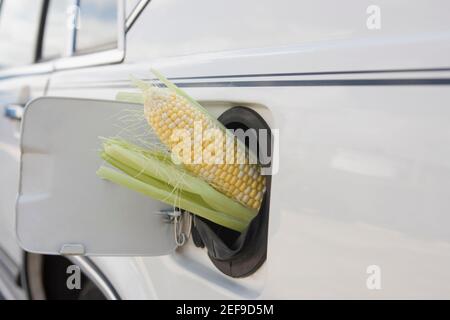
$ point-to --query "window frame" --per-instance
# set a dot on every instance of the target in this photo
(71, 61)
(108, 56)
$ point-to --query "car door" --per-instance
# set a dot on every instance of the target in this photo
(21, 79)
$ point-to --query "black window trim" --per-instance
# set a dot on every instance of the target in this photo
(41, 30)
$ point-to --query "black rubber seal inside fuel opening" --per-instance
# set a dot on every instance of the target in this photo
(238, 254)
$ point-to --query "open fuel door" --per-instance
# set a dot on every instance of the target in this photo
(62, 206)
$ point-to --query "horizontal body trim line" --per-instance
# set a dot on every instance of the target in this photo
(302, 83)
(283, 83)
(289, 74)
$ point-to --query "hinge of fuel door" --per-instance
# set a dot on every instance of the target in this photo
(182, 221)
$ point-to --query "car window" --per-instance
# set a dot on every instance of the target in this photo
(97, 27)
(19, 28)
(57, 29)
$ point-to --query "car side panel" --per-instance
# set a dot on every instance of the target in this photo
(363, 130)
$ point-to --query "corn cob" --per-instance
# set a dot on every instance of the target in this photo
(169, 110)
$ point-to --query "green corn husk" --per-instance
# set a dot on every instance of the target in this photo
(131, 97)
(171, 184)
(182, 201)
(163, 169)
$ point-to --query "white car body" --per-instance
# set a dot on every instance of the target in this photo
(364, 143)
